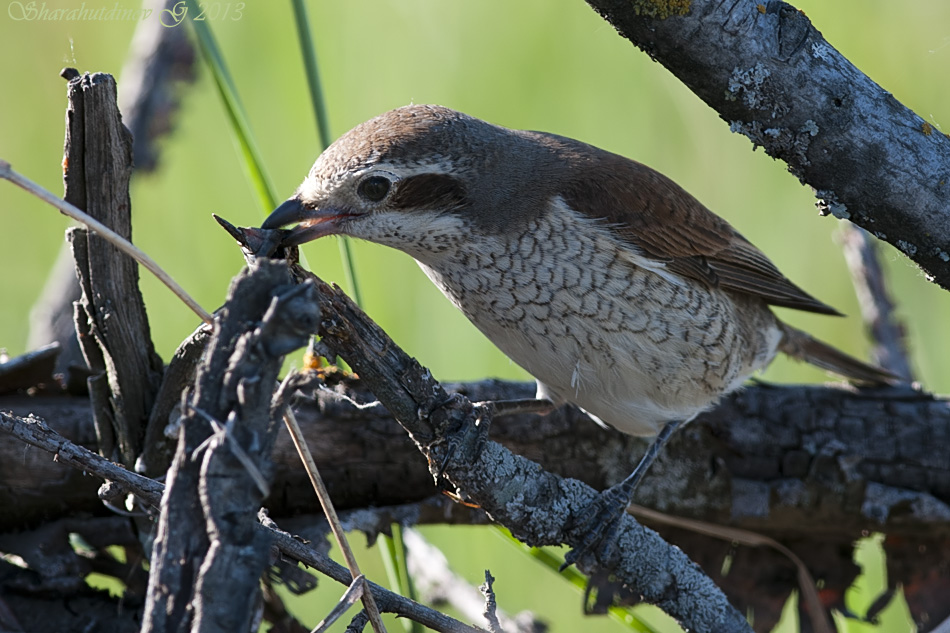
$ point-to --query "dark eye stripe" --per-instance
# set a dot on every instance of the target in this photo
(429, 191)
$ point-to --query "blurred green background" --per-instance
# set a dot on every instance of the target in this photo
(551, 65)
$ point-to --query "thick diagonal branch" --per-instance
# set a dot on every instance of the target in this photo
(538, 507)
(771, 76)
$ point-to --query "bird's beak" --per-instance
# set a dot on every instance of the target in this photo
(312, 223)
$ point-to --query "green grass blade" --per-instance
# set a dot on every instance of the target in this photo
(253, 163)
(349, 270)
(309, 53)
(393, 552)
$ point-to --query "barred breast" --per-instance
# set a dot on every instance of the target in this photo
(603, 327)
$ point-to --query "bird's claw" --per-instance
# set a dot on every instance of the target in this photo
(600, 525)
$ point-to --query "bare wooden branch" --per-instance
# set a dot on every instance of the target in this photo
(491, 606)
(161, 432)
(159, 62)
(33, 370)
(208, 555)
(771, 76)
(98, 164)
(306, 457)
(350, 597)
(877, 309)
(760, 444)
(388, 601)
(35, 432)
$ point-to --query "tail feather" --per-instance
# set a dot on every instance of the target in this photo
(803, 346)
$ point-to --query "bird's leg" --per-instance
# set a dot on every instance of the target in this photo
(603, 516)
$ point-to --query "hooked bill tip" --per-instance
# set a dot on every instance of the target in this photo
(290, 211)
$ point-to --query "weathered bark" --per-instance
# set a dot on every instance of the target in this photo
(208, 555)
(887, 332)
(64, 567)
(771, 76)
(111, 319)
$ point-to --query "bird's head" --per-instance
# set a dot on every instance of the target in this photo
(418, 178)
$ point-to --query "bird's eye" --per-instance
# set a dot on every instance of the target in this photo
(374, 188)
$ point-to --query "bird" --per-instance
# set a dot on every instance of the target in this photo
(617, 290)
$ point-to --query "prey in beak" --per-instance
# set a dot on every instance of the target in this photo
(312, 223)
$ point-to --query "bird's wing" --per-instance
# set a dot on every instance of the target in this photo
(653, 213)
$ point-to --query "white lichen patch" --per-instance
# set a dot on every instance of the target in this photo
(749, 84)
(907, 247)
(810, 128)
(828, 203)
(821, 50)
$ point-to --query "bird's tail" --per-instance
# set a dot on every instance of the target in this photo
(803, 346)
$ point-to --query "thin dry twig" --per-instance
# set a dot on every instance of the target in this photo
(877, 308)
(353, 593)
(7, 173)
(35, 432)
(300, 443)
(491, 606)
(437, 583)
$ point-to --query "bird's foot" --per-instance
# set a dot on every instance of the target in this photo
(600, 524)
(602, 517)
